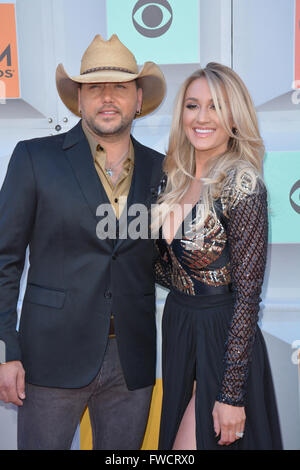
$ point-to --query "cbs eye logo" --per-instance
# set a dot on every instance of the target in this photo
(295, 196)
(152, 18)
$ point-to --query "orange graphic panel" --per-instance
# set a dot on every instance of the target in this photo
(297, 45)
(9, 70)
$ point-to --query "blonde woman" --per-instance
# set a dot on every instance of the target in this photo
(212, 223)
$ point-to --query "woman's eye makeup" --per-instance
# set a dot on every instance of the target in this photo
(194, 106)
(191, 106)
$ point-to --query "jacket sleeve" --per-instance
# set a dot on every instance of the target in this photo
(162, 261)
(17, 212)
(247, 238)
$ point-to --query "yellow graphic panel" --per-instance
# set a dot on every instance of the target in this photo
(86, 439)
(151, 435)
(152, 431)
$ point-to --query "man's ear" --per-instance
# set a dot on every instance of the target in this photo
(139, 98)
(79, 99)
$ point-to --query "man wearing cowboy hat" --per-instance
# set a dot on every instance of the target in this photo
(87, 328)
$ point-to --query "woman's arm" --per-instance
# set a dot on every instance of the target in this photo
(247, 237)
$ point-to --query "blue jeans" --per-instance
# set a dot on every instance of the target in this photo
(49, 416)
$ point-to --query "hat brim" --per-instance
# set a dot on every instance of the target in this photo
(150, 79)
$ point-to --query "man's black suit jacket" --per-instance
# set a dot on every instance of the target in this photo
(75, 281)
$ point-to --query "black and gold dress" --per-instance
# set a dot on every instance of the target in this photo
(209, 326)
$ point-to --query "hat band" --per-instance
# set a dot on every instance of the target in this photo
(99, 69)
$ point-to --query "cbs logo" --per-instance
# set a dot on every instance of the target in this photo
(296, 354)
(295, 196)
(152, 18)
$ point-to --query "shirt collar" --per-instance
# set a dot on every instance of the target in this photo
(99, 152)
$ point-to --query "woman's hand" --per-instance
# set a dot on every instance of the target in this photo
(228, 420)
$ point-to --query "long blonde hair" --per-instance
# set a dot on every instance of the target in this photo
(244, 153)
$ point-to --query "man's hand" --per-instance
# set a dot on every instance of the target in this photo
(12, 383)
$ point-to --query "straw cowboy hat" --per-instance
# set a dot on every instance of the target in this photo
(111, 61)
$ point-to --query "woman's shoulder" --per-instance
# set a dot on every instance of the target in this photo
(241, 183)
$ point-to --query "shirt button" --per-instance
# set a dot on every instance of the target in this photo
(99, 148)
(116, 200)
(108, 294)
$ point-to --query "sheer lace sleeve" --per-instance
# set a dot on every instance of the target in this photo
(247, 238)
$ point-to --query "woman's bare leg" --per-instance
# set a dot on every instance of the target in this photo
(186, 435)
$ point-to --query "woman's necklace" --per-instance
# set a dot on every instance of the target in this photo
(109, 170)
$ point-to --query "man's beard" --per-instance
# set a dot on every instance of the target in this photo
(117, 130)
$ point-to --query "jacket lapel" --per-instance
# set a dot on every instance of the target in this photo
(143, 171)
(79, 155)
(140, 191)
(80, 158)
